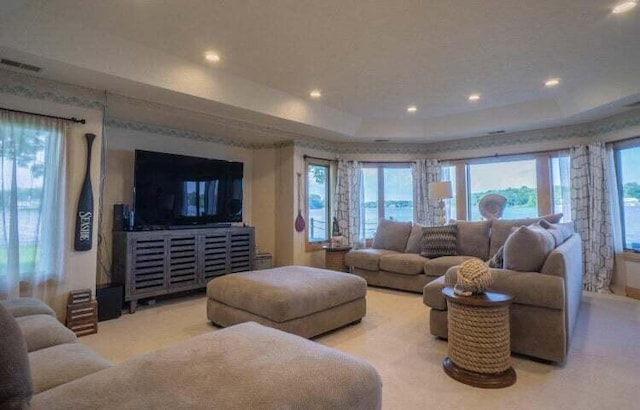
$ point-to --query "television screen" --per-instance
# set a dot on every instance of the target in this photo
(174, 190)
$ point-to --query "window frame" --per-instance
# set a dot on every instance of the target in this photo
(380, 166)
(317, 245)
(617, 148)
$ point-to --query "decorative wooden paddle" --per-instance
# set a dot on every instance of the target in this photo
(300, 224)
(84, 215)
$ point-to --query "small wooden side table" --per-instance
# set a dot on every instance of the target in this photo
(479, 339)
(334, 257)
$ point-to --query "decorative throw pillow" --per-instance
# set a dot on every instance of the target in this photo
(392, 235)
(527, 248)
(497, 260)
(440, 241)
(15, 374)
(560, 232)
(414, 244)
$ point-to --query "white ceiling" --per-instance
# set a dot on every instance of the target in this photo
(371, 59)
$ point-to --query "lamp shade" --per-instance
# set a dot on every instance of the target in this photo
(440, 190)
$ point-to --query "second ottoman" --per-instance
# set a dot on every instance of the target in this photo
(296, 299)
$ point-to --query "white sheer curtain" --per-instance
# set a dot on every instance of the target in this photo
(32, 194)
(591, 213)
(349, 202)
(424, 209)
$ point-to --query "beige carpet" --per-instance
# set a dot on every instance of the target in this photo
(602, 372)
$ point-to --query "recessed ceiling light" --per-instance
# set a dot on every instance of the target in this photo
(412, 108)
(212, 56)
(315, 94)
(624, 7)
(474, 97)
(552, 82)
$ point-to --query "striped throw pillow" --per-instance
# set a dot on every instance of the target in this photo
(440, 241)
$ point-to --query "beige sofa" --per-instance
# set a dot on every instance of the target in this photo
(546, 302)
(240, 367)
(394, 260)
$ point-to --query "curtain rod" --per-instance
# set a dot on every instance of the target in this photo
(72, 119)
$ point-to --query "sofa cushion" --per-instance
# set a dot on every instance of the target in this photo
(15, 375)
(439, 266)
(405, 263)
(501, 229)
(473, 238)
(368, 259)
(63, 363)
(19, 307)
(527, 248)
(42, 331)
(440, 241)
(414, 243)
(560, 232)
(392, 235)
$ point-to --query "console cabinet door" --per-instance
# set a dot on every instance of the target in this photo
(240, 250)
(182, 264)
(148, 264)
(213, 254)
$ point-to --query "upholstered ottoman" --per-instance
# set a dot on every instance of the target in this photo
(296, 299)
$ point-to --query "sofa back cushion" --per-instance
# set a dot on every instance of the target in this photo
(527, 248)
(501, 229)
(15, 374)
(415, 243)
(392, 235)
(473, 238)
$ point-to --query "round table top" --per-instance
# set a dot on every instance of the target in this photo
(482, 299)
(329, 248)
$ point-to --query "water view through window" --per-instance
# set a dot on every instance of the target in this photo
(388, 193)
(514, 180)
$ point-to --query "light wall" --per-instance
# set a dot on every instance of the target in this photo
(80, 267)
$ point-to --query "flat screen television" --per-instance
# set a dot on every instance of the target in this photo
(177, 190)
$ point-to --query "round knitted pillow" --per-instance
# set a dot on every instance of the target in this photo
(474, 277)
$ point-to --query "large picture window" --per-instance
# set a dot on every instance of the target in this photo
(388, 193)
(533, 184)
(317, 183)
(629, 188)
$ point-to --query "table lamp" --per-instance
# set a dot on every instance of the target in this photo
(440, 191)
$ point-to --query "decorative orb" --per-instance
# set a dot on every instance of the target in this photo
(474, 277)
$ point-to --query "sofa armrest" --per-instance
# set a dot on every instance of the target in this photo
(527, 288)
(566, 261)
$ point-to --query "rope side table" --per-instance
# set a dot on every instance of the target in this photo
(479, 339)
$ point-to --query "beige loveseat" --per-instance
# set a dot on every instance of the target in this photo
(247, 366)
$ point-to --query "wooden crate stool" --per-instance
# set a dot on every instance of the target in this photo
(82, 313)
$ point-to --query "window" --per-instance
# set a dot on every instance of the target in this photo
(534, 185)
(388, 193)
(319, 223)
(514, 180)
(629, 188)
(31, 200)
